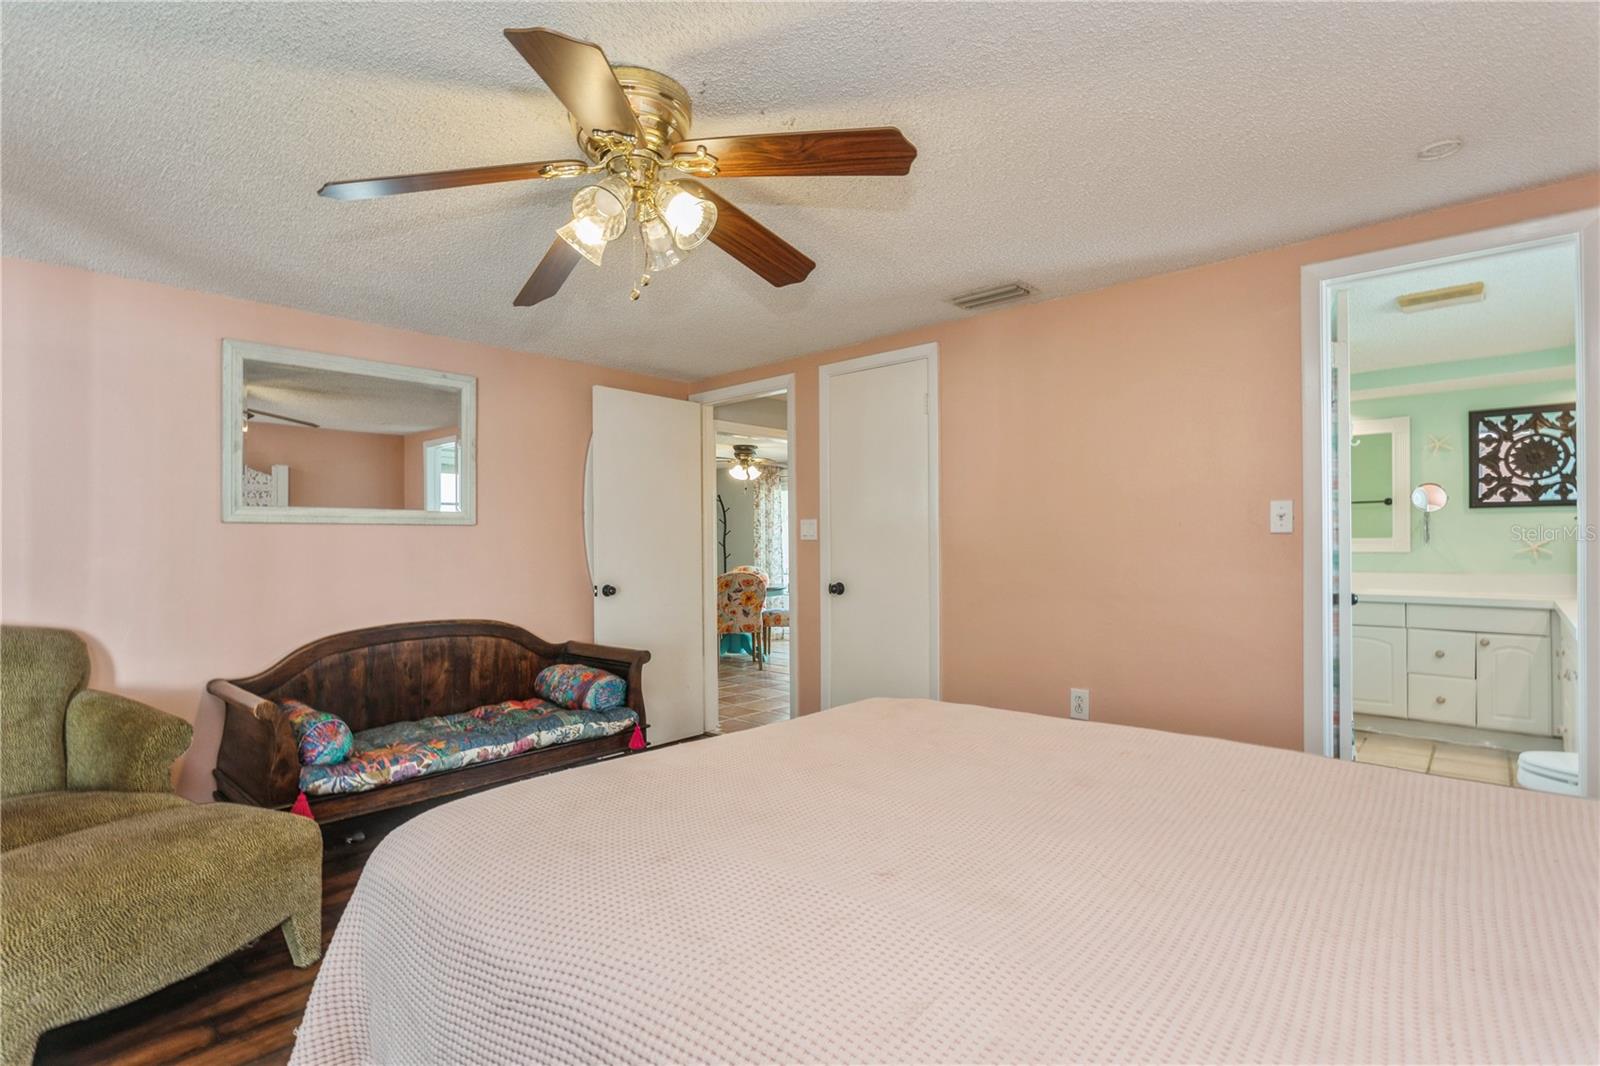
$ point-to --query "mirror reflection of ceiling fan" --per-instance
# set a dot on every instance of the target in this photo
(632, 126)
(745, 464)
(252, 413)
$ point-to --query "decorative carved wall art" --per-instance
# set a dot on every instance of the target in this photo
(1524, 456)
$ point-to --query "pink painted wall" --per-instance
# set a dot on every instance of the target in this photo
(111, 517)
(330, 467)
(1107, 460)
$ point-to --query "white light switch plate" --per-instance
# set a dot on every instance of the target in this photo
(808, 529)
(1281, 519)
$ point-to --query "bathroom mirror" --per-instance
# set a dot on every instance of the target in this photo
(1428, 497)
(1380, 478)
(308, 437)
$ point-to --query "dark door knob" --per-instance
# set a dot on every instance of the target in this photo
(608, 590)
(836, 588)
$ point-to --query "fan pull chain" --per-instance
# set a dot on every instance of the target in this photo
(644, 276)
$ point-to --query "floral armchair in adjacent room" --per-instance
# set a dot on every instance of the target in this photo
(741, 597)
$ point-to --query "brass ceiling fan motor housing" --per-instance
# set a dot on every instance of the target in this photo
(660, 104)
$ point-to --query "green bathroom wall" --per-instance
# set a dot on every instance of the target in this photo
(1371, 478)
(1467, 539)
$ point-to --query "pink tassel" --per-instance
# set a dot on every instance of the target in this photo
(302, 807)
(636, 742)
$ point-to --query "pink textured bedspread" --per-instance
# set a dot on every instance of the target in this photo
(907, 881)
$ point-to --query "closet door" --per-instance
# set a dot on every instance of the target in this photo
(879, 560)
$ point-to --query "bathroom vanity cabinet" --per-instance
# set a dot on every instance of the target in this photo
(1507, 669)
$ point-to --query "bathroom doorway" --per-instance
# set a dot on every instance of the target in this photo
(1450, 472)
(750, 553)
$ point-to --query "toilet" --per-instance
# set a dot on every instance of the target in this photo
(1549, 771)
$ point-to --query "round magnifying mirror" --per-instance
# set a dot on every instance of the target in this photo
(1429, 497)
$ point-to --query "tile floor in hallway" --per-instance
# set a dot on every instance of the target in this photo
(1489, 765)
(747, 697)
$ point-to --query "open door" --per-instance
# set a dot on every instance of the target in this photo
(645, 549)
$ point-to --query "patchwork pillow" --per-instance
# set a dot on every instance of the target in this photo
(323, 738)
(581, 688)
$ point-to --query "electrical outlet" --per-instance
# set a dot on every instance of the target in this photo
(1080, 704)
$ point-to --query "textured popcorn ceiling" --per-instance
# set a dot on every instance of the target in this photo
(1528, 305)
(1065, 146)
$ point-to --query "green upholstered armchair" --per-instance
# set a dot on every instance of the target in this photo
(112, 886)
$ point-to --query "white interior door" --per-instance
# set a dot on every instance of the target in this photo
(879, 551)
(646, 553)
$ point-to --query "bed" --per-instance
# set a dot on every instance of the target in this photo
(910, 881)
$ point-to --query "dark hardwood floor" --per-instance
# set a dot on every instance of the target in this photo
(244, 1009)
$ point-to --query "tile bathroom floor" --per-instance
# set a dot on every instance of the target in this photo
(1489, 765)
(747, 697)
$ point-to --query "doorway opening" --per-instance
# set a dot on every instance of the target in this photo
(750, 546)
(1450, 413)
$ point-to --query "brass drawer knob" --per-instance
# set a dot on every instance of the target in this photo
(1438, 699)
(1439, 654)
(1483, 642)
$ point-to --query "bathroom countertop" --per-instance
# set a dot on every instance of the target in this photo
(1539, 592)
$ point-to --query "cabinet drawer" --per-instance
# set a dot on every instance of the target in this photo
(1441, 652)
(1380, 614)
(1478, 619)
(1442, 699)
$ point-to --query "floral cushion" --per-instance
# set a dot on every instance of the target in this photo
(580, 688)
(323, 738)
(404, 750)
(740, 597)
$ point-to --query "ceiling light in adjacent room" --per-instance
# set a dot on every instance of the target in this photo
(1440, 149)
(1470, 293)
(744, 463)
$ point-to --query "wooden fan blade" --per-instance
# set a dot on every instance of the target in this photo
(753, 244)
(880, 150)
(366, 188)
(580, 76)
(549, 275)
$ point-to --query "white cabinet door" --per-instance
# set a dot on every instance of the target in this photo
(647, 552)
(1514, 684)
(1380, 670)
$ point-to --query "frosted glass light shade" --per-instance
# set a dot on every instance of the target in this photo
(599, 215)
(742, 473)
(660, 250)
(689, 217)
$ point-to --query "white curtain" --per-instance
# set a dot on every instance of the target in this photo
(772, 525)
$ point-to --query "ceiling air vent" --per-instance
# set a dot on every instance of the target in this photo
(978, 299)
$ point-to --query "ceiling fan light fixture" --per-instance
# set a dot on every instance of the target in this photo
(689, 217)
(599, 215)
(661, 252)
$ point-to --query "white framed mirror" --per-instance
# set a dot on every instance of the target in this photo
(1380, 484)
(308, 437)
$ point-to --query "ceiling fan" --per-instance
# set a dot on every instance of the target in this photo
(745, 465)
(632, 126)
